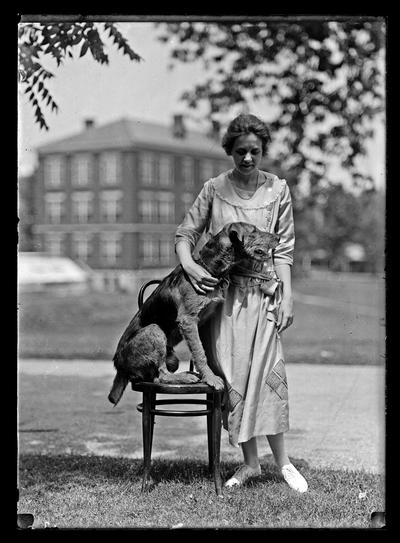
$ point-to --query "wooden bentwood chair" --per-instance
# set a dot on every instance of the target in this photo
(149, 411)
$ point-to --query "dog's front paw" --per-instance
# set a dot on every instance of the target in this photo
(214, 381)
(188, 377)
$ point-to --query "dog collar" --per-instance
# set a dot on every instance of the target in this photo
(223, 280)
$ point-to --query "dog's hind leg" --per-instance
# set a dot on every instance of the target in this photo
(172, 360)
(167, 369)
(151, 358)
(139, 359)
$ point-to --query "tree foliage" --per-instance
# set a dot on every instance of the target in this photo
(322, 77)
(57, 41)
(341, 217)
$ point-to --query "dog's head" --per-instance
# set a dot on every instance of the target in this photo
(222, 251)
(254, 243)
(235, 242)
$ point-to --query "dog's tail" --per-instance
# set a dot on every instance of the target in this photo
(119, 385)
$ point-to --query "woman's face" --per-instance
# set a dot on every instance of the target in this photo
(247, 153)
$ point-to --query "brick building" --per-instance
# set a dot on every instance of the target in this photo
(112, 195)
(26, 212)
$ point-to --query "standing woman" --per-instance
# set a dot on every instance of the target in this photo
(242, 340)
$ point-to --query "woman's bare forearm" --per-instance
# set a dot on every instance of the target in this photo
(201, 279)
(184, 252)
(284, 272)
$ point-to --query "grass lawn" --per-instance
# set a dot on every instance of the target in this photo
(80, 461)
(90, 491)
(80, 465)
(336, 321)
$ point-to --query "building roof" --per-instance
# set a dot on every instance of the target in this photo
(130, 133)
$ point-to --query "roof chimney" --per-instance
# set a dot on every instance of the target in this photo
(178, 127)
(89, 123)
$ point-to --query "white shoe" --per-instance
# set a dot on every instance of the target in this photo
(293, 478)
(243, 474)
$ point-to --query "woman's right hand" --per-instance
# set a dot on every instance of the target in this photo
(200, 278)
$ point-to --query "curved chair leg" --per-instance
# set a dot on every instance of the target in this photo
(217, 419)
(210, 433)
(152, 417)
(147, 428)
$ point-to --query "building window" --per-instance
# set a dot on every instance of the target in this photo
(53, 171)
(148, 249)
(82, 246)
(167, 250)
(166, 171)
(54, 207)
(54, 244)
(166, 207)
(156, 250)
(187, 199)
(147, 207)
(82, 206)
(206, 170)
(81, 170)
(110, 168)
(111, 205)
(156, 206)
(188, 172)
(147, 168)
(110, 248)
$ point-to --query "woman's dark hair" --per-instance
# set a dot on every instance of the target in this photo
(245, 124)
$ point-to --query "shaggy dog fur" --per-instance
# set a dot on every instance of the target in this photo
(174, 311)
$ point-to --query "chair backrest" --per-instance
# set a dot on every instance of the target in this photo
(143, 288)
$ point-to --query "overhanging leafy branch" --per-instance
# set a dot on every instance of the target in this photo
(58, 41)
(324, 79)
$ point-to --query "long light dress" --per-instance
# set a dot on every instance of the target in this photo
(241, 340)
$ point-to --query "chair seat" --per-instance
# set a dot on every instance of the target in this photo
(164, 388)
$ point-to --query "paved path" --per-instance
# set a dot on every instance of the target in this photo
(336, 412)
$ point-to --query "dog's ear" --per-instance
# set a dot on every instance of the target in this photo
(236, 229)
(235, 240)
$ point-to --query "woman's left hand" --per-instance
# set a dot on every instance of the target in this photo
(286, 316)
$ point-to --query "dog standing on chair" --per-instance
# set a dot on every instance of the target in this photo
(174, 311)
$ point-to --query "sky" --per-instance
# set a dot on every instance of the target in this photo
(82, 88)
(148, 90)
